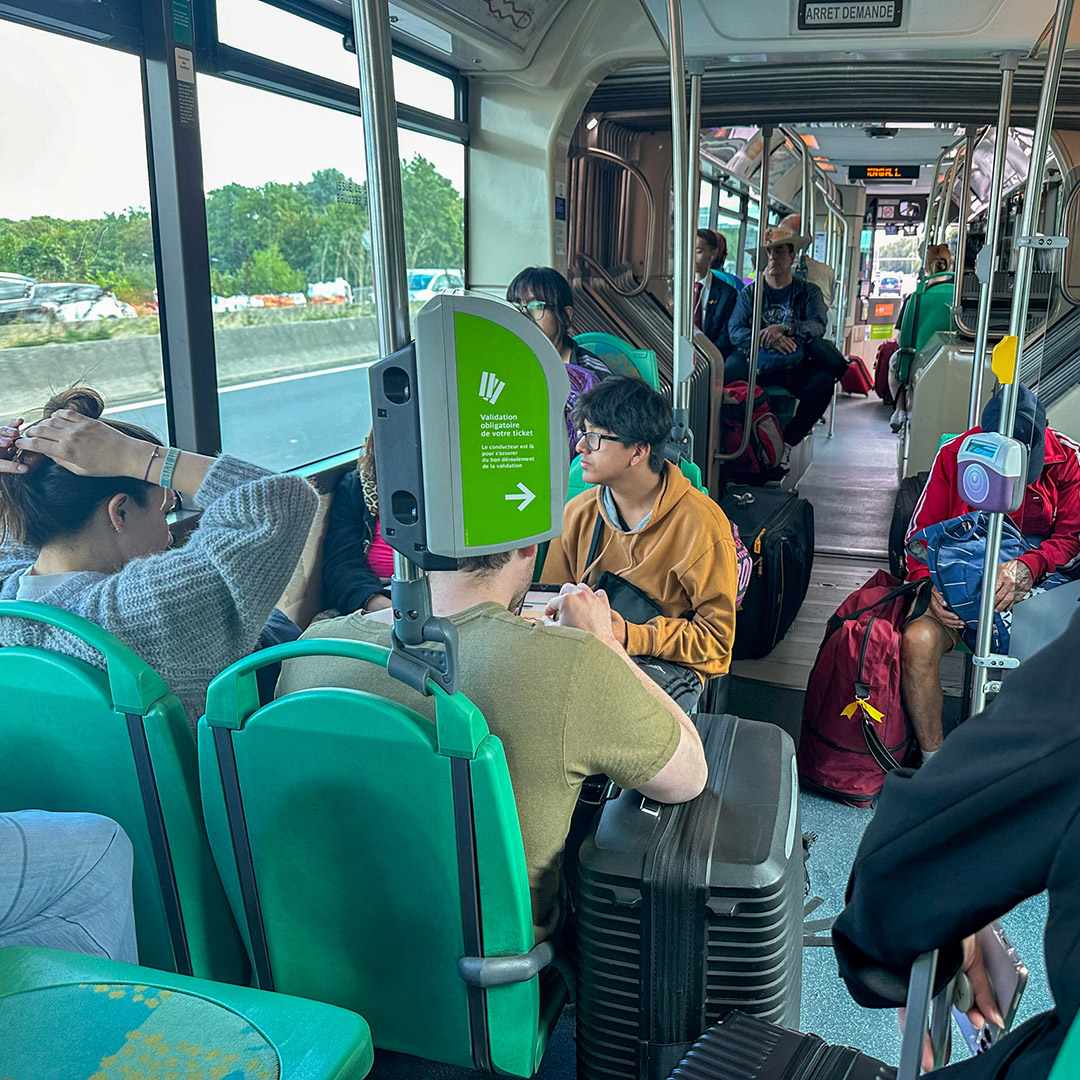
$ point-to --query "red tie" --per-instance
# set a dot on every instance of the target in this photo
(697, 308)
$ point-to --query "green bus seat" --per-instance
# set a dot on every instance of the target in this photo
(621, 357)
(1067, 1062)
(783, 404)
(64, 1015)
(576, 484)
(374, 861)
(927, 311)
(117, 742)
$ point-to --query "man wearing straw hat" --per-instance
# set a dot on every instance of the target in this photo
(793, 318)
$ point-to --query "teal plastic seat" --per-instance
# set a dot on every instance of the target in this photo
(65, 1016)
(1067, 1063)
(782, 402)
(576, 484)
(117, 742)
(374, 861)
(622, 357)
(927, 311)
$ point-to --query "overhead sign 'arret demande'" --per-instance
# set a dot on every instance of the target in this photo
(850, 15)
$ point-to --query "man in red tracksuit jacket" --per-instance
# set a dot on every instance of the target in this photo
(1051, 509)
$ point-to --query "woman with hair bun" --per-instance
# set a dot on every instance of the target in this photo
(83, 505)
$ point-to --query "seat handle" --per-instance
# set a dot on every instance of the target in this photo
(233, 696)
(485, 971)
(134, 686)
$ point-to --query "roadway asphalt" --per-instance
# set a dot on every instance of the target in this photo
(285, 422)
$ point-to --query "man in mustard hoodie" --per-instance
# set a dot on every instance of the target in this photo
(644, 524)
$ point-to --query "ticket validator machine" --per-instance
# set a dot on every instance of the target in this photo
(471, 456)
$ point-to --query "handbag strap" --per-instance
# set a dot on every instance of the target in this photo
(878, 750)
(922, 602)
(597, 533)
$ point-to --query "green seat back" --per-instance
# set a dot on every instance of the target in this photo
(927, 311)
(782, 402)
(70, 737)
(1067, 1063)
(348, 810)
(63, 1015)
(576, 484)
(622, 357)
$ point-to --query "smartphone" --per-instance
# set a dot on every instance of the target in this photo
(1008, 977)
(538, 597)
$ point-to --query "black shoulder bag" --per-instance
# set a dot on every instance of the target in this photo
(623, 596)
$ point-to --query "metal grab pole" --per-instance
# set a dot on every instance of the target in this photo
(386, 219)
(1009, 62)
(682, 321)
(961, 236)
(759, 297)
(1044, 121)
(930, 224)
(693, 180)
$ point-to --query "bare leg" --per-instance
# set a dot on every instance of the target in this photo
(925, 642)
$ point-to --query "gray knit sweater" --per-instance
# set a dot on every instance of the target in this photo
(190, 611)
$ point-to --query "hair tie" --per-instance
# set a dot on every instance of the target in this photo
(153, 458)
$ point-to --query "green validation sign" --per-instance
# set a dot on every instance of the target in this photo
(505, 444)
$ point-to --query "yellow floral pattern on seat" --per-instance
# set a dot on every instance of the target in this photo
(129, 1031)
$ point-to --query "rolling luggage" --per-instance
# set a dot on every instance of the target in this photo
(778, 529)
(881, 371)
(746, 1048)
(907, 498)
(856, 380)
(688, 912)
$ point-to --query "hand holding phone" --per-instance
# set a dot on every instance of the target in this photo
(998, 977)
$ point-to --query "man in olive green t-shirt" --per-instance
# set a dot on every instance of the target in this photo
(565, 700)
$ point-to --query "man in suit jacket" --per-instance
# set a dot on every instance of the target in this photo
(714, 298)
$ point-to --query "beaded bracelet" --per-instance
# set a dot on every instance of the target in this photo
(168, 466)
(149, 464)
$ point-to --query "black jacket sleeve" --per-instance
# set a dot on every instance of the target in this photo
(348, 580)
(992, 820)
(722, 300)
(813, 315)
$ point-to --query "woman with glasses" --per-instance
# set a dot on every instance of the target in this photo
(83, 508)
(544, 295)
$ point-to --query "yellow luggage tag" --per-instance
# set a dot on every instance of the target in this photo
(865, 705)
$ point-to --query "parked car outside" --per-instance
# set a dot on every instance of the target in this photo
(426, 282)
(889, 283)
(20, 299)
(78, 301)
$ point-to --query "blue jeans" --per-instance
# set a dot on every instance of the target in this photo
(65, 883)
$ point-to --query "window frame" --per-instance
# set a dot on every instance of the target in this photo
(133, 26)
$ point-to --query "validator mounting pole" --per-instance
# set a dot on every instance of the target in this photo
(1012, 347)
(410, 593)
(682, 356)
(987, 260)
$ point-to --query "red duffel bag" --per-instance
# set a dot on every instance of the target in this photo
(854, 729)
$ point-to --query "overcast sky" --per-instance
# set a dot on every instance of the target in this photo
(71, 124)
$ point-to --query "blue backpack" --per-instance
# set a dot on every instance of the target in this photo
(954, 552)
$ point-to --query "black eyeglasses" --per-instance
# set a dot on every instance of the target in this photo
(535, 308)
(593, 439)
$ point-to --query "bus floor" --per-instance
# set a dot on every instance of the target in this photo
(852, 484)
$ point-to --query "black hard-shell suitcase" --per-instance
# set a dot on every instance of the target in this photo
(777, 528)
(688, 912)
(907, 497)
(746, 1048)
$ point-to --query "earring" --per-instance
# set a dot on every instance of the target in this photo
(116, 528)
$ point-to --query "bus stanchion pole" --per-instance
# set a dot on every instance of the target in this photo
(682, 319)
(971, 139)
(987, 261)
(832, 409)
(378, 110)
(758, 300)
(1044, 121)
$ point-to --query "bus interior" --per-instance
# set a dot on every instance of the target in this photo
(550, 128)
